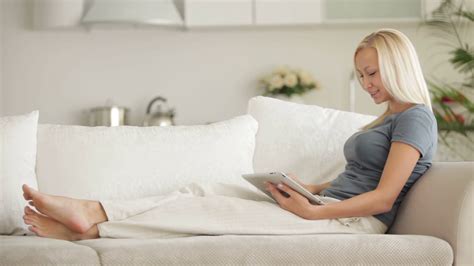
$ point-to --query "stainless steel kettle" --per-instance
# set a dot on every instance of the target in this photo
(159, 117)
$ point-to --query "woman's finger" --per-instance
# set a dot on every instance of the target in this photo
(286, 189)
(276, 194)
(295, 195)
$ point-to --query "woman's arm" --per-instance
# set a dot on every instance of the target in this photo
(400, 163)
(315, 189)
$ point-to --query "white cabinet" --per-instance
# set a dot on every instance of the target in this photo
(347, 11)
(49, 14)
(218, 13)
(287, 12)
(212, 13)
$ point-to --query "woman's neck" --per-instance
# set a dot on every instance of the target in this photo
(398, 107)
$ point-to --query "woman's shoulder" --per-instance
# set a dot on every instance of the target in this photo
(417, 112)
(417, 126)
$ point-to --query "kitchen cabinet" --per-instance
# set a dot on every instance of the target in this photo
(287, 12)
(54, 14)
(215, 13)
(218, 13)
(349, 11)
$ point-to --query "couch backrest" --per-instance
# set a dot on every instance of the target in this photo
(133, 162)
(306, 140)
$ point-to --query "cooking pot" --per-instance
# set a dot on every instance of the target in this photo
(109, 116)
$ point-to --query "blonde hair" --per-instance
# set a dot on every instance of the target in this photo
(399, 68)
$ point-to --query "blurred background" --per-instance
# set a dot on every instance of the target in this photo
(207, 58)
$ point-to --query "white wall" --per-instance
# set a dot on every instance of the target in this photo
(1, 57)
(208, 75)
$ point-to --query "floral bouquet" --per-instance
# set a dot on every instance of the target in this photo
(288, 82)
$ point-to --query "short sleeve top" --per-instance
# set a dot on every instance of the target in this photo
(366, 153)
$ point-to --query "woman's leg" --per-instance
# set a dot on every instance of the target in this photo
(46, 227)
(77, 215)
(61, 213)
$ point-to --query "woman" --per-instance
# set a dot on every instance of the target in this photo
(384, 159)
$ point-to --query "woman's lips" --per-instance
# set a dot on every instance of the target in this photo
(375, 93)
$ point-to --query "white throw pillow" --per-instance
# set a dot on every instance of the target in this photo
(17, 167)
(306, 140)
(135, 162)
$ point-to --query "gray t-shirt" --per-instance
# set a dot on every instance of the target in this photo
(366, 153)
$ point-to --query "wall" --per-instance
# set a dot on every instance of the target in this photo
(1, 58)
(207, 75)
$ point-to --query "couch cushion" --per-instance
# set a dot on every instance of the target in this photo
(30, 250)
(135, 162)
(306, 140)
(17, 167)
(346, 249)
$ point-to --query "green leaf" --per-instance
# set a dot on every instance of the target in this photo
(466, 14)
(463, 60)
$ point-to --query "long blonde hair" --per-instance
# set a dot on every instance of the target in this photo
(400, 69)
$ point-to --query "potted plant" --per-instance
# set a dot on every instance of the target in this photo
(452, 25)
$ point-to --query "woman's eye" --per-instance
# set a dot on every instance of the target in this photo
(373, 73)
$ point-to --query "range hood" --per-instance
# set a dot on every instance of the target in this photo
(148, 12)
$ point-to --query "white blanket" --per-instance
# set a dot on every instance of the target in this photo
(217, 209)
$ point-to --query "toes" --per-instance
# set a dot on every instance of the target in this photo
(27, 220)
(26, 192)
(26, 196)
(31, 214)
(28, 210)
(31, 203)
(33, 229)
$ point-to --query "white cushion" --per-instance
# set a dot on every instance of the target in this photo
(306, 140)
(17, 167)
(135, 162)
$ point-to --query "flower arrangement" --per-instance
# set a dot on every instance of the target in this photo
(287, 81)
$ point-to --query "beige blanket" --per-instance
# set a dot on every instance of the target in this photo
(218, 209)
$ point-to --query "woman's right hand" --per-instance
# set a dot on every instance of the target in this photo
(311, 188)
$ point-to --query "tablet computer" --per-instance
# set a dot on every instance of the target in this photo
(259, 179)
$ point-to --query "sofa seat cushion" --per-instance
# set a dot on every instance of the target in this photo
(342, 249)
(32, 250)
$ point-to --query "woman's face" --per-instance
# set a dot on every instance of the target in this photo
(367, 67)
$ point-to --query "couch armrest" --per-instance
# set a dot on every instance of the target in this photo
(440, 204)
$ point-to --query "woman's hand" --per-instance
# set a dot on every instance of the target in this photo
(311, 188)
(295, 203)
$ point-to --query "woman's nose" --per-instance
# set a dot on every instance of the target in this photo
(367, 84)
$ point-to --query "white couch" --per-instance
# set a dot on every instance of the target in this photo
(433, 226)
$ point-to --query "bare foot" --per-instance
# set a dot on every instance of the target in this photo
(46, 227)
(77, 215)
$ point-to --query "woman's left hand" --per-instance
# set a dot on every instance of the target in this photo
(296, 203)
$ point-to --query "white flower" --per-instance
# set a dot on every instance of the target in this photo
(297, 81)
(276, 82)
(306, 78)
(282, 70)
(291, 80)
